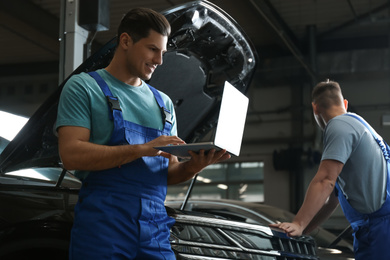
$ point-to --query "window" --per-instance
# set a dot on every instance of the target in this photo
(239, 181)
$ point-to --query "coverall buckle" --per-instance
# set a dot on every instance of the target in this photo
(113, 102)
(166, 115)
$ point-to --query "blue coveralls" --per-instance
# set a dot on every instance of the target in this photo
(371, 231)
(120, 213)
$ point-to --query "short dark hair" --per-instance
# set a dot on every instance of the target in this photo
(327, 93)
(139, 21)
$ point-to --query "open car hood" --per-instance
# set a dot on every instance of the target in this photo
(206, 48)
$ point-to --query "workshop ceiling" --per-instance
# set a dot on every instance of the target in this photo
(29, 29)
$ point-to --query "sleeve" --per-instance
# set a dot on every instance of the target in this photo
(74, 105)
(339, 139)
(173, 118)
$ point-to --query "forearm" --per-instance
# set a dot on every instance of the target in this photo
(179, 172)
(77, 153)
(316, 196)
(325, 212)
(93, 157)
(320, 189)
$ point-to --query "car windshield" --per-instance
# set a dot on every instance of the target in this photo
(273, 213)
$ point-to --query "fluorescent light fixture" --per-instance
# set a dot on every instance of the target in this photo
(205, 180)
(243, 189)
(222, 186)
(11, 125)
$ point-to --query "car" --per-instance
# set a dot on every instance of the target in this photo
(38, 195)
(255, 213)
(199, 236)
(37, 214)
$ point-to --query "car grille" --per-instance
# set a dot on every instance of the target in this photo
(204, 238)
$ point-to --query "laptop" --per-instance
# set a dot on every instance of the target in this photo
(229, 130)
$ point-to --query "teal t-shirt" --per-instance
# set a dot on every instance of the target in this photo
(82, 103)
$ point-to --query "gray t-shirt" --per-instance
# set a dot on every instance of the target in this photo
(364, 175)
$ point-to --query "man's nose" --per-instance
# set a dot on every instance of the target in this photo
(158, 58)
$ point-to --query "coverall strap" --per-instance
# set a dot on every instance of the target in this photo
(165, 113)
(382, 144)
(113, 102)
(371, 239)
(102, 84)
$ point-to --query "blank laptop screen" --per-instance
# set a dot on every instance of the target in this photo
(231, 120)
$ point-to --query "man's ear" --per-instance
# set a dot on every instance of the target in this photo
(315, 108)
(125, 40)
(346, 104)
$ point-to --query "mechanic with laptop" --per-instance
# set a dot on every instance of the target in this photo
(108, 122)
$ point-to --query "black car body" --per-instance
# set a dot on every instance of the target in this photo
(248, 212)
(37, 215)
(37, 195)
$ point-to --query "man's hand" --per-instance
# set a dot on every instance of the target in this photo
(182, 171)
(162, 140)
(291, 229)
(201, 160)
